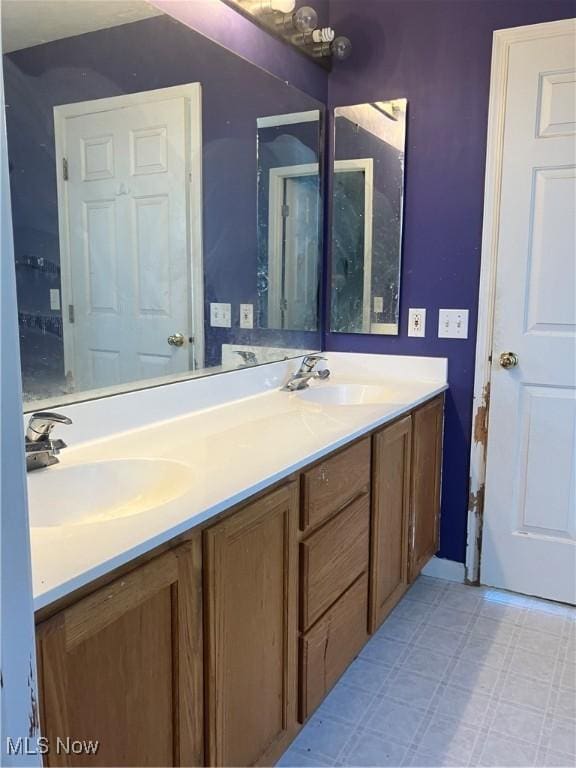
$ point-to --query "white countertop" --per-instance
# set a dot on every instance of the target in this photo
(232, 450)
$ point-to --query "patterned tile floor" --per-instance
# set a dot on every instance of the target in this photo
(456, 676)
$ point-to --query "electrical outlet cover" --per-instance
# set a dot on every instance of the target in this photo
(417, 322)
(54, 299)
(246, 315)
(453, 324)
(220, 315)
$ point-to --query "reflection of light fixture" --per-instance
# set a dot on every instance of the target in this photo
(282, 6)
(324, 35)
(305, 19)
(388, 108)
(298, 27)
(341, 48)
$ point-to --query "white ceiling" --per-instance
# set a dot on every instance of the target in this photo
(32, 22)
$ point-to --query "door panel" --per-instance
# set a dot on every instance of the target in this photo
(545, 508)
(99, 219)
(150, 224)
(551, 272)
(301, 195)
(127, 204)
(529, 542)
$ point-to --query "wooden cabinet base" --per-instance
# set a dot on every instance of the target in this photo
(192, 658)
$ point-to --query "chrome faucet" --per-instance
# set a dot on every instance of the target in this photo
(41, 450)
(307, 371)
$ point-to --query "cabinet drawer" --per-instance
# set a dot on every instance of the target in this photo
(332, 558)
(329, 647)
(333, 483)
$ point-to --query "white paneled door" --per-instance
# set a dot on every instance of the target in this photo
(299, 306)
(529, 534)
(127, 261)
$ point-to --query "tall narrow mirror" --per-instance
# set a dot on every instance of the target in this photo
(367, 205)
(289, 218)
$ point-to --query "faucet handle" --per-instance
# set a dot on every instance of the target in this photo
(42, 423)
(310, 361)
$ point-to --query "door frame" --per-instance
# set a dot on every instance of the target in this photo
(276, 179)
(275, 229)
(503, 40)
(192, 92)
(292, 118)
(365, 164)
(19, 691)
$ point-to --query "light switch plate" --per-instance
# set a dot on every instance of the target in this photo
(220, 315)
(417, 322)
(246, 315)
(54, 299)
(453, 324)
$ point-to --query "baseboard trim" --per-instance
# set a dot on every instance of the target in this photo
(441, 568)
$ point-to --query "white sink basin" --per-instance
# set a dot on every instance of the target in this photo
(347, 394)
(101, 491)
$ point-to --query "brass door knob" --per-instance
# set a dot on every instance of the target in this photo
(508, 360)
(176, 339)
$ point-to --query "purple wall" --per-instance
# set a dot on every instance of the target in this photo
(436, 53)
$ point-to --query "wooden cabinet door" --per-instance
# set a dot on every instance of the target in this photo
(251, 631)
(391, 463)
(331, 645)
(123, 667)
(426, 476)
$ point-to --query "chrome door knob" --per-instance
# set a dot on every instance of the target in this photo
(508, 360)
(176, 340)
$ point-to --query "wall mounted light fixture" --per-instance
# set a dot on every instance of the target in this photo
(297, 26)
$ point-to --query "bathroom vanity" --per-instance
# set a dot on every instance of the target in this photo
(212, 647)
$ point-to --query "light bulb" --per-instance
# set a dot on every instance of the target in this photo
(305, 19)
(283, 6)
(341, 48)
(324, 35)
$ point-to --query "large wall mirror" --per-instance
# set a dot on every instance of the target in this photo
(367, 203)
(166, 201)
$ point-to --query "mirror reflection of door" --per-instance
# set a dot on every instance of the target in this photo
(352, 245)
(292, 248)
(289, 220)
(131, 241)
